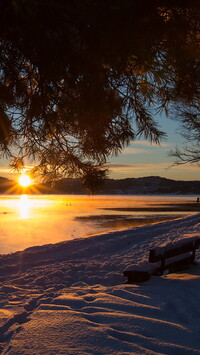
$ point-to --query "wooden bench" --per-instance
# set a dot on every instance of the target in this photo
(172, 257)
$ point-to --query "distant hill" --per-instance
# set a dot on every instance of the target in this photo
(150, 185)
(145, 185)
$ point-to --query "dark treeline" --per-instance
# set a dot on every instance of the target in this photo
(146, 185)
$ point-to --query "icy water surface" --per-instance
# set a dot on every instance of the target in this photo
(42, 219)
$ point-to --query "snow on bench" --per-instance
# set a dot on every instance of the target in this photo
(172, 257)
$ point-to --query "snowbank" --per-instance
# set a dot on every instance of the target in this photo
(70, 298)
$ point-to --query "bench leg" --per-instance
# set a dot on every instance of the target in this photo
(162, 266)
(193, 255)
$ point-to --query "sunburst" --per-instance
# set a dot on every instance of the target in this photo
(25, 180)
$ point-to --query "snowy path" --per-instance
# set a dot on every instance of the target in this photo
(69, 298)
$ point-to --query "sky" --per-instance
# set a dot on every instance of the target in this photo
(141, 158)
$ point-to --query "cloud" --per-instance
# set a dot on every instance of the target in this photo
(119, 166)
(154, 167)
(5, 170)
(144, 147)
(137, 167)
(132, 150)
(10, 174)
(149, 144)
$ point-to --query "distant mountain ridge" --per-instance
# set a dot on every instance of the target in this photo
(144, 185)
(150, 185)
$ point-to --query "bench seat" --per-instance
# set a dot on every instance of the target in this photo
(172, 257)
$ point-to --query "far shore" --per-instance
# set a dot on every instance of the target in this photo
(162, 213)
(180, 207)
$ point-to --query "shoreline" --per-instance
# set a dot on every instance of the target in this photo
(38, 221)
(121, 222)
(71, 297)
(180, 207)
(58, 246)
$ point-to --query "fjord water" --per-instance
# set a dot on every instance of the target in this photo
(43, 219)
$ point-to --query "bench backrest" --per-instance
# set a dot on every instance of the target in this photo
(174, 249)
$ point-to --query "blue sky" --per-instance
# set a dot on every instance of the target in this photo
(141, 158)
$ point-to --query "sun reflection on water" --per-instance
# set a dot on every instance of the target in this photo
(24, 206)
(32, 220)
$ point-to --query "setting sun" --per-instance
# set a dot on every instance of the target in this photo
(25, 180)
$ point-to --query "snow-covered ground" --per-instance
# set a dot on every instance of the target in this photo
(71, 297)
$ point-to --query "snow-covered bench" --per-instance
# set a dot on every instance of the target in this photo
(172, 257)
